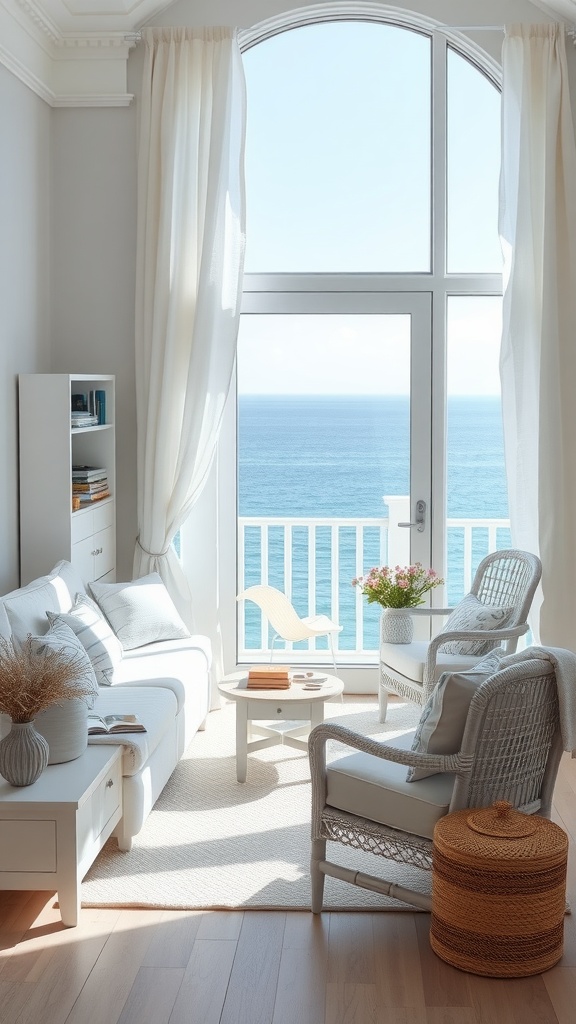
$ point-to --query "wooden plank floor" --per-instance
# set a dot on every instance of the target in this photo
(262, 967)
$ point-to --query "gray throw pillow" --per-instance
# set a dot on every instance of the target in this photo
(444, 715)
(95, 634)
(141, 612)
(472, 614)
(61, 639)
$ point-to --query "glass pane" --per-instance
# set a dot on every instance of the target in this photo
(473, 244)
(338, 150)
(476, 479)
(323, 436)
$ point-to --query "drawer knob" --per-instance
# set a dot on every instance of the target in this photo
(278, 711)
(110, 783)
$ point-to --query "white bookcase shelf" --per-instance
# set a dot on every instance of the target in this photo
(49, 447)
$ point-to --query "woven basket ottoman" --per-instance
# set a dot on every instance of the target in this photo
(498, 891)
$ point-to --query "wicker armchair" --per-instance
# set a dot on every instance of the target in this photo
(511, 750)
(504, 579)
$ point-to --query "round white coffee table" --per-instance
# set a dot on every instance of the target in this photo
(294, 704)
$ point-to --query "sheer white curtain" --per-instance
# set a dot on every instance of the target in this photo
(538, 358)
(191, 229)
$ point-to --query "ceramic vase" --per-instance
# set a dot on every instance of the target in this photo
(23, 754)
(65, 727)
(397, 626)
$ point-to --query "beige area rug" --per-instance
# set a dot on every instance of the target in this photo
(214, 843)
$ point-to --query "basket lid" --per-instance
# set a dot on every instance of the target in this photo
(502, 821)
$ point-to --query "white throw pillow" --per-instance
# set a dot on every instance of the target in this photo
(444, 715)
(63, 640)
(101, 645)
(141, 612)
(472, 614)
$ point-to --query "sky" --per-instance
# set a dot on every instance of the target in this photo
(337, 170)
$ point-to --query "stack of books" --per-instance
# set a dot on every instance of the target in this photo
(89, 483)
(78, 420)
(268, 677)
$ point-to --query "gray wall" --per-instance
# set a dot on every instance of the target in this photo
(93, 249)
(24, 284)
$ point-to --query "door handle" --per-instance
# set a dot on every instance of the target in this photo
(420, 518)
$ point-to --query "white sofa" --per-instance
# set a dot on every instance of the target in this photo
(167, 684)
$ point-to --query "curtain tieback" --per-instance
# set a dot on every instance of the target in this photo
(153, 554)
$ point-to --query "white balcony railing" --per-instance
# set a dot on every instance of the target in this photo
(314, 560)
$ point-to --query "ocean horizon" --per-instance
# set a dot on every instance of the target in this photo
(336, 456)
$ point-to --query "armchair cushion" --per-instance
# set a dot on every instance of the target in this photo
(444, 715)
(409, 660)
(373, 788)
(470, 613)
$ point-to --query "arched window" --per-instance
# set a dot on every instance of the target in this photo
(367, 374)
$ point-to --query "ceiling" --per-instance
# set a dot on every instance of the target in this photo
(75, 52)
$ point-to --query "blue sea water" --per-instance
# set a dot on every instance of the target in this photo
(336, 456)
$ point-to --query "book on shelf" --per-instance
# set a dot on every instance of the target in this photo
(79, 402)
(87, 499)
(83, 419)
(88, 473)
(106, 724)
(100, 405)
(93, 488)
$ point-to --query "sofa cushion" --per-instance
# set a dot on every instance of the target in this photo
(180, 665)
(441, 726)
(372, 788)
(141, 612)
(26, 608)
(96, 636)
(61, 639)
(155, 707)
(473, 614)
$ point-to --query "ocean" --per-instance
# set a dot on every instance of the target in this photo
(336, 456)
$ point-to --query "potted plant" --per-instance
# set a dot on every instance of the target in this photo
(30, 682)
(397, 590)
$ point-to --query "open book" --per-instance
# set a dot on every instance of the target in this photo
(113, 723)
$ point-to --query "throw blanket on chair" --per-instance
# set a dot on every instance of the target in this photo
(564, 662)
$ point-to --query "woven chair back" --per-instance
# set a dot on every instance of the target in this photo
(513, 736)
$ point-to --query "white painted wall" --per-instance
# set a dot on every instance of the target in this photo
(24, 284)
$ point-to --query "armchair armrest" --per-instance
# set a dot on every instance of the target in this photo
(328, 731)
(506, 633)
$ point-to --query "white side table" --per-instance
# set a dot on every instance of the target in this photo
(294, 704)
(51, 831)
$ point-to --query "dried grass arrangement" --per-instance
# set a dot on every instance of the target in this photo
(31, 681)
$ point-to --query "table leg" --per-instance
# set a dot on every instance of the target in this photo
(241, 740)
(316, 713)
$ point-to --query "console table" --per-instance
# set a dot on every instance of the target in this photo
(51, 831)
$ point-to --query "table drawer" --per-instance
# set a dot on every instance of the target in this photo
(27, 845)
(267, 711)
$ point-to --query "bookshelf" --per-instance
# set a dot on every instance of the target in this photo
(49, 447)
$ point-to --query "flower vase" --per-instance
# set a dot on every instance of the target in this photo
(397, 626)
(23, 754)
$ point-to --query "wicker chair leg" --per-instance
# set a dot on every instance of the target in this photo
(317, 876)
(382, 702)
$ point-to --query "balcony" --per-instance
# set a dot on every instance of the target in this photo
(314, 560)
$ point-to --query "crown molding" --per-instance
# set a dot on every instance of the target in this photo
(64, 69)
